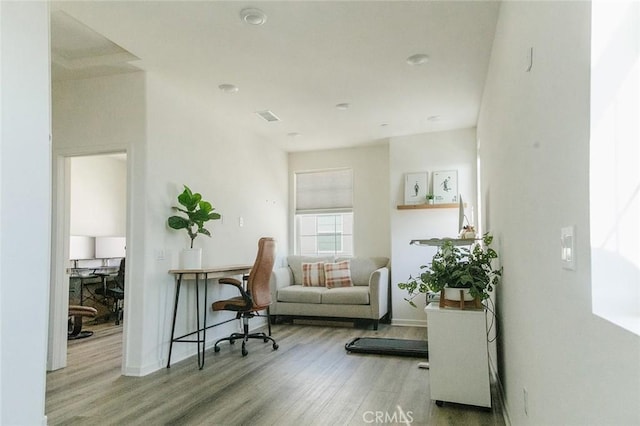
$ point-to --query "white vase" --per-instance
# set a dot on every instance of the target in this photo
(451, 293)
(191, 258)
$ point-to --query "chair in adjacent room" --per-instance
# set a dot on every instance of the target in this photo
(74, 324)
(117, 292)
(255, 296)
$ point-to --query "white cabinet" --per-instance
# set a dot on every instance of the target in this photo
(458, 356)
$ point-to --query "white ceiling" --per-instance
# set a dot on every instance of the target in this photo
(308, 57)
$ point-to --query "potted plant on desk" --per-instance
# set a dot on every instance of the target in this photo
(198, 212)
(464, 276)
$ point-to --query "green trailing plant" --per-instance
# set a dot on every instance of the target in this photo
(457, 267)
(198, 212)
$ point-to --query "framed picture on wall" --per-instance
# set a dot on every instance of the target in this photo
(415, 188)
(445, 186)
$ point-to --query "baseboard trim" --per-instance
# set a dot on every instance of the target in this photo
(501, 396)
(409, 323)
(142, 371)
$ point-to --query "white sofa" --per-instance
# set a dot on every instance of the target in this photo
(367, 299)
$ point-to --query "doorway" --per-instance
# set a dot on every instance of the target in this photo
(90, 207)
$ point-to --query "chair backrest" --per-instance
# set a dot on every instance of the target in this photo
(119, 278)
(260, 275)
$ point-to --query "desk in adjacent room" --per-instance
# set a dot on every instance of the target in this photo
(88, 276)
(197, 275)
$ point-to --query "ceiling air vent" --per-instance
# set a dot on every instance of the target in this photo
(268, 116)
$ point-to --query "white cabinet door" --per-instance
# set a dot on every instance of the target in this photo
(458, 355)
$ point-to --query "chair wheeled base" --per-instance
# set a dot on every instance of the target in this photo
(245, 336)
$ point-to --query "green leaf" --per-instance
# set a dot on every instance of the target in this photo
(205, 206)
(177, 222)
(199, 216)
(189, 199)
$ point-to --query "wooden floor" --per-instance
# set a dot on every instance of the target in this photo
(309, 380)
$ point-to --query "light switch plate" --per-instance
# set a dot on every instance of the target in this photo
(567, 247)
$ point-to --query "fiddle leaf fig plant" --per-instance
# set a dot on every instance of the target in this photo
(457, 267)
(197, 212)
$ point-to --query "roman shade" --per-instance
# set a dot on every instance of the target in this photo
(327, 191)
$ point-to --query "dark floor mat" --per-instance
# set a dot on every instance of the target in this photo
(381, 346)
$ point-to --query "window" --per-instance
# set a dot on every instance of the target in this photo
(324, 234)
(324, 213)
(615, 178)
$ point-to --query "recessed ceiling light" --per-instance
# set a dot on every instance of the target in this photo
(343, 106)
(253, 16)
(418, 59)
(228, 88)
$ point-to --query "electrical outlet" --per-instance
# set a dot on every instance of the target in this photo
(525, 396)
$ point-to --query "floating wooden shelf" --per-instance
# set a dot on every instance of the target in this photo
(428, 206)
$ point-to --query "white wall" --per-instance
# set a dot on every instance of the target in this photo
(370, 167)
(534, 146)
(99, 115)
(25, 206)
(240, 175)
(451, 150)
(98, 196)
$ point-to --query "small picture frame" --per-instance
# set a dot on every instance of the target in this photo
(415, 188)
(445, 186)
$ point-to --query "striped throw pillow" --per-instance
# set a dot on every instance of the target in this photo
(313, 274)
(338, 274)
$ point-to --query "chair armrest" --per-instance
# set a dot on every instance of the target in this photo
(231, 281)
(379, 291)
(237, 284)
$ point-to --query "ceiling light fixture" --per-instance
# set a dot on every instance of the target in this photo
(418, 59)
(253, 16)
(228, 88)
(343, 106)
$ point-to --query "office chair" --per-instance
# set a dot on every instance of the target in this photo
(117, 292)
(74, 324)
(255, 297)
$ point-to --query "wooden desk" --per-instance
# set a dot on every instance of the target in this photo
(196, 275)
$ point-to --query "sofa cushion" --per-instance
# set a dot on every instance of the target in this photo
(346, 296)
(337, 274)
(301, 294)
(313, 274)
(363, 267)
(295, 264)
